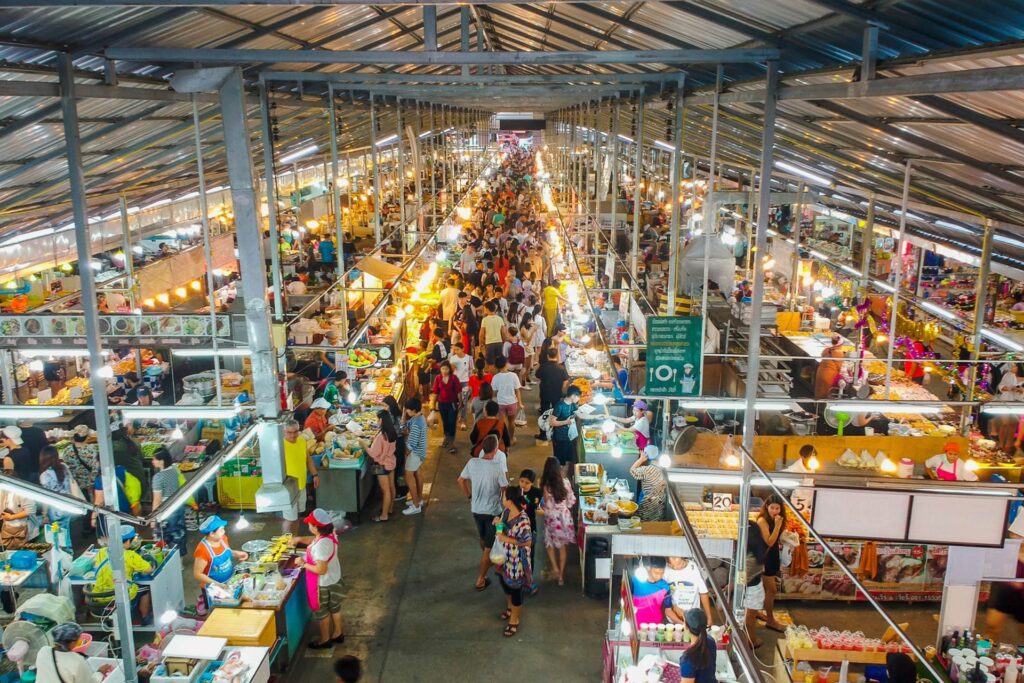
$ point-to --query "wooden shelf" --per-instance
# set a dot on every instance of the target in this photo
(852, 656)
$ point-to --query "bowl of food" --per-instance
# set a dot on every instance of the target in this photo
(627, 507)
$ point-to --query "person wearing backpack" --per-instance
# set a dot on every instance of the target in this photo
(515, 351)
(490, 423)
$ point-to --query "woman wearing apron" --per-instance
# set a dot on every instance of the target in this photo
(214, 559)
(948, 466)
(323, 578)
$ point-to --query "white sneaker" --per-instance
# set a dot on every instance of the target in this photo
(412, 510)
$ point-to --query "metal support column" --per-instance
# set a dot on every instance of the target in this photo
(867, 245)
(897, 274)
(129, 261)
(339, 230)
(614, 176)
(756, 301)
(375, 158)
(271, 197)
(677, 209)
(794, 281)
(710, 212)
(417, 169)
(76, 180)
(464, 42)
(869, 56)
(266, 388)
(204, 224)
(638, 170)
(401, 163)
(980, 301)
(430, 163)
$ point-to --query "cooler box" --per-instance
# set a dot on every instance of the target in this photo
(242, 627)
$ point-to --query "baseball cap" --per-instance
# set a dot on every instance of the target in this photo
(211, 524)
(128, 533)
(319, 516)
(950, 447)
(320, 403)
(640, 405)
(13, 433)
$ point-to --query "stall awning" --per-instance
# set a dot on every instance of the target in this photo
(382, 270)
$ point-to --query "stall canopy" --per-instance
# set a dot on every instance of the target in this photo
(382, 270)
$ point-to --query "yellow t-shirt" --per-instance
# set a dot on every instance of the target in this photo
(492, 326)
(134, 564)
(295, 460)
(551, 295)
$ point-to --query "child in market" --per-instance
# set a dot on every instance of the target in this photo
(533, 496)
(651, 596)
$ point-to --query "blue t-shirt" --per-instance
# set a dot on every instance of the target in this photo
(623, 377)
(642, 589)
(122, 495)
(562, 411)
(704, 674)
(327, 251)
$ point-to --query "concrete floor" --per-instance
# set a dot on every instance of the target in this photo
(412, 614)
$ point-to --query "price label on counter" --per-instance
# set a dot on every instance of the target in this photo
(721, 501)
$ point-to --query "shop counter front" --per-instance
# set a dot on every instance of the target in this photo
(345, 484)
(164, 584)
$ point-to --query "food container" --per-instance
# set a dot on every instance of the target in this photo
(905, 469)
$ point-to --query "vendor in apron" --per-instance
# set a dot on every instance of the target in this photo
(214, 559)
(949, 466)
(323, 578)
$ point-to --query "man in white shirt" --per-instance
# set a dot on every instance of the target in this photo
(689, 589)
(506, 386)
(482, 481)
(462, 366)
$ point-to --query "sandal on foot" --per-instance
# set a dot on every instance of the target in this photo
(378, 518)
(487, 582)
(320, 646)
(504, 616)
(510, 630)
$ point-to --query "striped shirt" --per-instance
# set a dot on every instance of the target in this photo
(416, 442)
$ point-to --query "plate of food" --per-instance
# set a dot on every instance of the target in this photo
(169, 324)
(10, 327)
(33, 325)
(255, 547)
(58, 327)
(124, 325)
(104, 323)
(147, 326)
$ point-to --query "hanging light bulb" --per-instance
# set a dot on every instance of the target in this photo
(105, 372)
(242, 523)
(732, 460)
(664, 461)
(640, 573)
(887, 466)
(351, 397)
(607, 426)
(371, 386)
(813, 463)
(972, 465)
(177, 434)
(616, 451)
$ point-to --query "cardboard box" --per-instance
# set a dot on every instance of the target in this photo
(241, 627)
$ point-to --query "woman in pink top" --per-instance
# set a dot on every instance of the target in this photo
(382, 452)
(559, 530)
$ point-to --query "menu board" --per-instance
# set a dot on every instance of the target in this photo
(69, 330)
(673, 356)
(902, 572)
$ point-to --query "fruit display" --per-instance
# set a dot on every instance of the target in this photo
(361, 358)
(64, 396)
(126, 365)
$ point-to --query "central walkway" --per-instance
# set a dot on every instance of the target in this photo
(412, 614)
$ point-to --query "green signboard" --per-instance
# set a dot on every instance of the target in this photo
(674, 355)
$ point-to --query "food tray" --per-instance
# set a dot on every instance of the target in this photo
(256, 547)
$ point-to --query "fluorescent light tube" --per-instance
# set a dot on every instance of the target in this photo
(388, 140)
(1003, 408)
(1001, 340)
(626, 138)
(884, 286)
(894, 407)
(736, 405)
(728, 479)
(58, 353)
(209, 353)
(157, 204)
(44, 497)
(17, 413)
(848, 269)
(818, 255)
(204, 475)
(938, 310)
(803, 173)
(197, 413)
(954, 227)
(215, 189)
(664, 145)
(298, 154)
(423, 135)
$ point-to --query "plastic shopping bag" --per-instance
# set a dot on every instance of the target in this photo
(432, 418)
(521, 417)
(498, 552)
